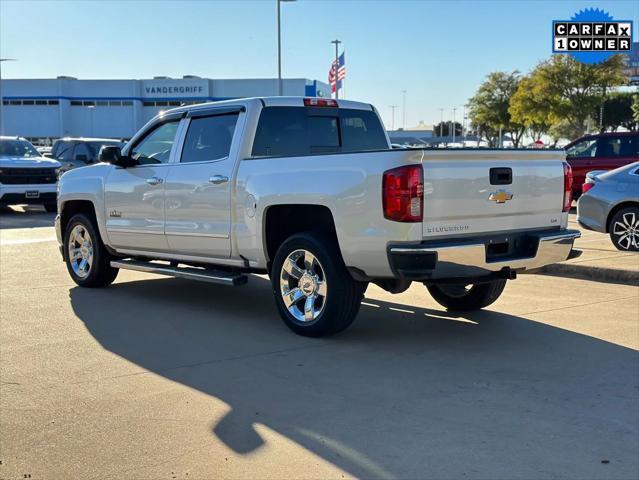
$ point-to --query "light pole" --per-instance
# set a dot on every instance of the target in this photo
(91, 108)
(454, 110)
(403, 109)
(441, 123)
(393, 107)
(279, 48)
(464, 124)
(336, 42)
(1, 99)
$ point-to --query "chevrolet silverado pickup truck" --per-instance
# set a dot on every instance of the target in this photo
(309, 191)
(26, 177)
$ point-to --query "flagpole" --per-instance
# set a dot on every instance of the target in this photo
(336, 42)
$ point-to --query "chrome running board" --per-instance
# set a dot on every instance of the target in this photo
(221, 277)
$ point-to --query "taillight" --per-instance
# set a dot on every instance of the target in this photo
(320, 102)
(403, 194)
(567, 187)
(587, 186)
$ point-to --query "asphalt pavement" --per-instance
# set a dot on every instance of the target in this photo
(156, 377)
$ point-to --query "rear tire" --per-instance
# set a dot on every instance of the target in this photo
(314, 292)
(86, 257)
(624, 229)
(467, 297)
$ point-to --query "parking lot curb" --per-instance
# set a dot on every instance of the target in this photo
(587, 272)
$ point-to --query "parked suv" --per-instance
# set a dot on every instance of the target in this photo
(25, 175)
(78, 152)
(604, 151)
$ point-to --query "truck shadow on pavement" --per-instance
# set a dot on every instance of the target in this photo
(28, 216)
(406, 392)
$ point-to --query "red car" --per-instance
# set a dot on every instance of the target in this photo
(603, 151)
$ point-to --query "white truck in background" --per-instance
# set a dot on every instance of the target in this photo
(309, 191)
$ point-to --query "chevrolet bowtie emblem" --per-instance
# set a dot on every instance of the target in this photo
(500, 196)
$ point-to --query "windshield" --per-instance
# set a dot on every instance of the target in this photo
(17, 148)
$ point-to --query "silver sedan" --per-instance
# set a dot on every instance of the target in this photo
(610, 204)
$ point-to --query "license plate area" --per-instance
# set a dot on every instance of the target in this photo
(32, 194)
(511, 247)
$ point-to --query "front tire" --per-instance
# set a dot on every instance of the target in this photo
(467, 297)
(624, 229)
(314, 292)
(86, 257)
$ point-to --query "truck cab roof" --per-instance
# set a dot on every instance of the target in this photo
(268, 102)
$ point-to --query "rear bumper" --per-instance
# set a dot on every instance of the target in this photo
(481, 256)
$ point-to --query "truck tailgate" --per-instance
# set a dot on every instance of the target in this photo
(470, 192)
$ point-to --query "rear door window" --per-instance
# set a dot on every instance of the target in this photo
(209, 138)
(630, 146)
(609, 147)
(299, 131)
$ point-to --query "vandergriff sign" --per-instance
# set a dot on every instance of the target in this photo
(178, 88)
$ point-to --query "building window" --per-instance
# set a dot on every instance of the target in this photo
(53, 102)
(28, 102)
(127, 103)
(148, 104)
(115, 103)
(40, 102)
(88, 103)
(102, 104)
(76, 103)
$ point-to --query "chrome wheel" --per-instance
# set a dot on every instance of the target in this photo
(303, 286)
(626, 231)
(80, 251)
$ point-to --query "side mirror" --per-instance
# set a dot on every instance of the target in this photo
(113, 155)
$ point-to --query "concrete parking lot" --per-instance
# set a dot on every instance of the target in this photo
(161, 378)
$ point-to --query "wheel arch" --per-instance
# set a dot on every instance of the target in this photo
(73, 207)
(278, 224)
(617, 208)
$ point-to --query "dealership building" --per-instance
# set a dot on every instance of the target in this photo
(45, 109)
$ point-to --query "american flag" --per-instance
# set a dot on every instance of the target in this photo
(341, 73)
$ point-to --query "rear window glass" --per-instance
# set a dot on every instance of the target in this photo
(297, 131)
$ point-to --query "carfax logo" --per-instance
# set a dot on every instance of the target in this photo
(591, 36)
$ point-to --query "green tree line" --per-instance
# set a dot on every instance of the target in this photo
(560, 97)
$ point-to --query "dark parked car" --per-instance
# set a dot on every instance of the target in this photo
(78, 152)
(604, 151)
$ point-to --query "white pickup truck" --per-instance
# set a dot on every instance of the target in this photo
(308, 191)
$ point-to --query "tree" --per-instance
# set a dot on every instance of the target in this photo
(530, 107)
(443, 129)
(635, 108)
(617, 112)
(489, 108)
(574, 90)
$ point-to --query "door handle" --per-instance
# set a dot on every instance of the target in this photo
(217, 179)
(154, 180)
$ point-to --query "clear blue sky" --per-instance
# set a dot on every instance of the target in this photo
(438, 51)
